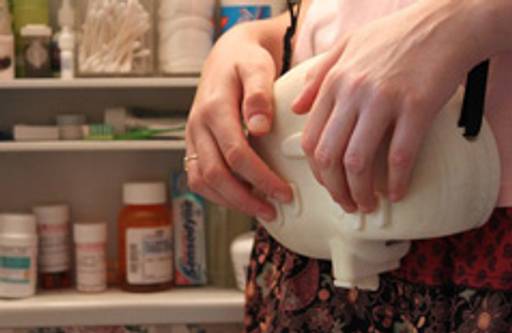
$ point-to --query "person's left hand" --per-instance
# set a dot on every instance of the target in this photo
(390, 77)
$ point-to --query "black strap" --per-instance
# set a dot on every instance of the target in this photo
(473, 107)
(294, 10)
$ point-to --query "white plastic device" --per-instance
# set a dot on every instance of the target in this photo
(454, 188)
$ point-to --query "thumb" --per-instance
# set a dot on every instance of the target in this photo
(314, 79)
(257, 101)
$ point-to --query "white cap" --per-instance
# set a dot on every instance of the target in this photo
(36, 30)
(19, 224)
(66, 15)
(90, 232)
(144, 194)
(52, 214)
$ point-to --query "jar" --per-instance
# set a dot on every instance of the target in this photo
(36, 50)
(18, 255)
(91, 259)
(115, 38)
(145, 238)
(54, 249)
(186, 32)
(7, 57)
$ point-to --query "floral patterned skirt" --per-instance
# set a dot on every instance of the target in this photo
(290, 293)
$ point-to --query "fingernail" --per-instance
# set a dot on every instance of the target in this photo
(258, 123)
(394, 197)
(282, 197)
(365, 209)
(267, 217)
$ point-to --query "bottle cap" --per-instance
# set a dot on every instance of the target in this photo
(144, 194)
(90, 232)
(18, 224)
(36, 30)
(52, 214)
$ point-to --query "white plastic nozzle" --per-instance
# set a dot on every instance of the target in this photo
(66, 15)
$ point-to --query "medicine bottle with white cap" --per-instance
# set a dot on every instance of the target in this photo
(18, 255)
(145, 238)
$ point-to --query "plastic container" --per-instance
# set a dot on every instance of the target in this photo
(18, 255)
(240, 255)
(116, 38)
(54, 246)
(185, 42)
(7, 58)
(233, 12)
(36, 50)
(91, 259)
(186, 35)
(70, 126)
(145, 238)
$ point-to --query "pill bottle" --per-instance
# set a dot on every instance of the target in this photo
(145, 238)
(35, 39)
(18, 255)
(54, 247)
(90, 256)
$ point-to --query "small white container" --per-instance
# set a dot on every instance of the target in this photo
(241, 249)
(70, 126)
(91, 259)
(7, 57)
(185, 42)
(18, 255)
(53, 227)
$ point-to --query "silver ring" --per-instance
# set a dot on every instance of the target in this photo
(186, 159)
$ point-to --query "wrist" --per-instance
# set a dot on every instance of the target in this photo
(490, 24)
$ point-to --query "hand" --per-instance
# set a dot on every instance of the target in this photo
(383, 83)
(238, 73)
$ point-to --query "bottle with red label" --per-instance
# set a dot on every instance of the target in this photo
(145, 238)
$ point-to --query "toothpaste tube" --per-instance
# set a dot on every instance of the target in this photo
(189, 225)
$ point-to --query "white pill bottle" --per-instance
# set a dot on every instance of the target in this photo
(233, 12)
(18, 255)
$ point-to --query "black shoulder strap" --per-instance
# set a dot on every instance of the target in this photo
(294, 10)
(473, 107)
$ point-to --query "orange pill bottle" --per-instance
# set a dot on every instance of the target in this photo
(145, 244)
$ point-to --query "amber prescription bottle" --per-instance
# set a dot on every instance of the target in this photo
(145, 238)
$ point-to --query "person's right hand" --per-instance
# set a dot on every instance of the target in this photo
(236, 81)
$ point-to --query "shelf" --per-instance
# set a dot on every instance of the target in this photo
(101, 83)
(78, 146)
(196, 305)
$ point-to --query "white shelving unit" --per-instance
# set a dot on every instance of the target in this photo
(89, 176)
(90, 146)
(196, 305)
(101, 83)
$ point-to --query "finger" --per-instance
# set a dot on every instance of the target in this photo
(406, 142)
(360, 155)
(242, 160)
(197, 184)
(257, 101)
(216, 174)
(330, 151)
(314, 80)
(318, 117)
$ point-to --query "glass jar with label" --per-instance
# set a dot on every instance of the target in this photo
(145, 238)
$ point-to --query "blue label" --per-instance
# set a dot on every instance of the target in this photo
(232, 15)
